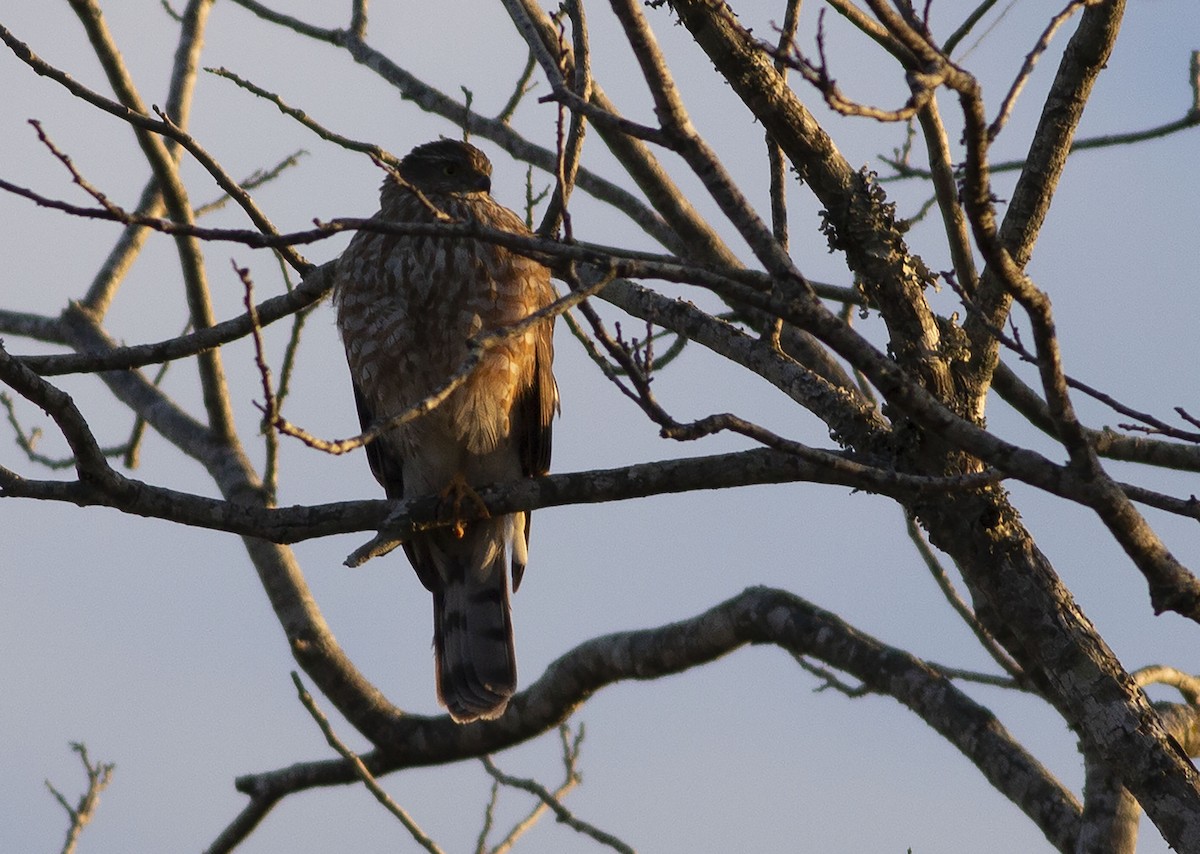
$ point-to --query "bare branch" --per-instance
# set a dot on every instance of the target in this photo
(756, 616)
(967, 25)
(1157, 674)
(212, 375)
(28, 441)
(913, 429)
(307, 121)
(259, 178)
(571, 779)
(361, 770)
(960, 607)
(314, 288)
(564, 815)
(1043, 44)
(523, 87)
(98, 777)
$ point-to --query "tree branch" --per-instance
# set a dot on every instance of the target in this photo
(756, 616)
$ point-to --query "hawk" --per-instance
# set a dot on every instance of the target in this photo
(407, 308)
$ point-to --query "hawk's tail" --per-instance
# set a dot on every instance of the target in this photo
(473, 642)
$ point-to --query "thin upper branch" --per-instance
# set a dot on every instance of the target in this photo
(311, 290)
(212, 375)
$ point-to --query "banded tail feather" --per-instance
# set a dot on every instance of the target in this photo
(475, 658)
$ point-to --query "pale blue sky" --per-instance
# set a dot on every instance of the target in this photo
(154, 643)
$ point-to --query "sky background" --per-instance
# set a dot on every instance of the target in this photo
(155, 645)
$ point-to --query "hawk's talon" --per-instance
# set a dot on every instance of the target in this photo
(456, 492)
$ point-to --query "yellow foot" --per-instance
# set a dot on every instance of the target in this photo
(457, 492)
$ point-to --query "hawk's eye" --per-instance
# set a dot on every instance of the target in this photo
(450, 169)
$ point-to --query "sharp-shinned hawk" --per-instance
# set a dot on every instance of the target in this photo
(407, 307)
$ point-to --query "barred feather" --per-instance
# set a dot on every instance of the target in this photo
(407, 307)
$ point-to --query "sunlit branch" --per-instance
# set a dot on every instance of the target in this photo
(756, 616)
(98, 776)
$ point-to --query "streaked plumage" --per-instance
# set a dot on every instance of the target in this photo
(406, 308)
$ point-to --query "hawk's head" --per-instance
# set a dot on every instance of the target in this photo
(447, 166)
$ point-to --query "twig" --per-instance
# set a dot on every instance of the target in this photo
(967, 25)
(525, 84)
(942, 578)
(1031, 60)
(532, 201)
(360, 769)
(563, 815)
(954, 221)
(134, 446)
(571, 779)
(817, 74)
(271, 469)
(98, 776)
(980, 678)
(777, 165)
(569, 142)
(306, 120)
(312, 289)
(270, 407)
(66, 161)
(258, 178)
(233, 189)
(272, 402)
(489, 819)
(1190, 120)
(1150, 423)
(830, 680)
(1156, 427)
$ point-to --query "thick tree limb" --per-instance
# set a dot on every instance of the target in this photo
(756, 616)
(1020, 591)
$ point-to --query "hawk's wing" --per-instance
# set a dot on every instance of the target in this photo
(388, 469)
(536, 407)
(533, 423)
